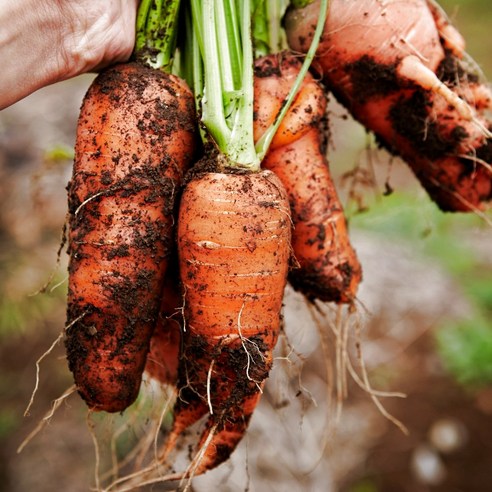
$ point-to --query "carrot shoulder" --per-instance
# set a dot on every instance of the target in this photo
(135, 139)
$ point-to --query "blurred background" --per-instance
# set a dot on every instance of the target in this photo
(424, 323)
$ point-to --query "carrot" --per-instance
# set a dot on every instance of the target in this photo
(234, 247)
(328, 268)
(135, 138)
(162, 359)
(401, 70)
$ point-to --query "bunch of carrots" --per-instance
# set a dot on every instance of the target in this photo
(201, 187)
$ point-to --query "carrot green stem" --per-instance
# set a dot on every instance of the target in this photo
(276, 11)
(156, 30)
(261, 27)
(223, 34)
(213, 115)
(264, 142)
(268, 35)
(298, 4)
(221, 48)
(230, 15)
(243, 123)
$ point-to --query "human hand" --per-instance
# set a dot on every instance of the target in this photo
(46, 41)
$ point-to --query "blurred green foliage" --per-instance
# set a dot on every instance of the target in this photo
(27, 295)
(466, 350)
(59, 154)
(9, 420)
(365, 485)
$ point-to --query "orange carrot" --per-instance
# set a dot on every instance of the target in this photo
(135, 139)
(162, 359)
(328, 266)
(401, 70)
(234, 248)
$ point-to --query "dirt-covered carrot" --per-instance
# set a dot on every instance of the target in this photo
(328, 268)
(135, 139)
(234, 246)
(401, 70)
